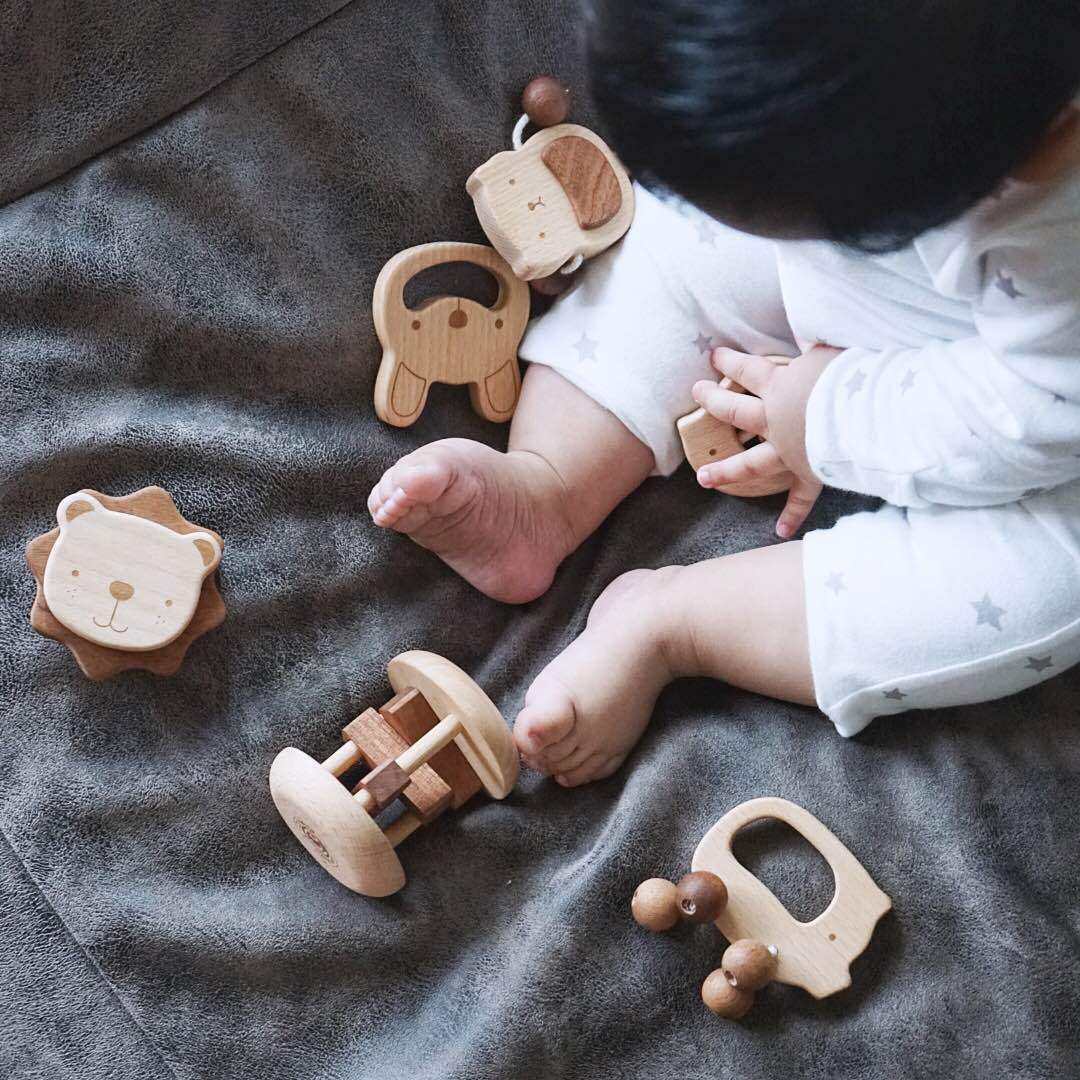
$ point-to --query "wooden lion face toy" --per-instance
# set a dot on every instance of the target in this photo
(122, 581)
(564, 194)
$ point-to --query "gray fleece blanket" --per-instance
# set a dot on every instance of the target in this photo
(194, 202)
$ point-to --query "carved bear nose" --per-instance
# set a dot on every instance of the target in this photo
(121, 590)
(458, 319)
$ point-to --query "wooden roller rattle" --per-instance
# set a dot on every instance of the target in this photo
(434, 745)
(767, 943)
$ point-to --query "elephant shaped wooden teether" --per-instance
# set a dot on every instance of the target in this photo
(125, 582)
(448, 339)
(560, 197)
(433, 746)
(767, 943)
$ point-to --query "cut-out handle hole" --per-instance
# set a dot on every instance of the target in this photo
(453, 279)
(788, 865)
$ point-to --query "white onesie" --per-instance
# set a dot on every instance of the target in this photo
(956, 400)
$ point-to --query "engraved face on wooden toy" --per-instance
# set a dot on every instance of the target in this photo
(448, 339)
(563, 194)
(122, 581)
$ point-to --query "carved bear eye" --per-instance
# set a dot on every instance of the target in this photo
(74, 573)
(168, 603)
(512, 182)
(498, 324)
(416, 324)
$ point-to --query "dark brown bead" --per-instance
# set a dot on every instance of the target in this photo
(702, 896)
(546, 101)
(748, 964)
(724, 999)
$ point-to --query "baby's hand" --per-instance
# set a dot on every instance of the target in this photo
(776, 414)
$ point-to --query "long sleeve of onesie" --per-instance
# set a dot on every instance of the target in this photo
(982, 420)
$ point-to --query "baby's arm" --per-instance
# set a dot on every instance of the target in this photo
(974, 422)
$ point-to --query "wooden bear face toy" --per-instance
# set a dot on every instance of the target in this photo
(448, 339)
(564, 194)
(122, 581)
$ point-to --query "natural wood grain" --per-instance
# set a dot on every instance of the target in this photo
(706, 439)
(337, 828)
(484, 739)
(99, 661)
(448, 339)
(426, 792)
(816, 955)
(587, 178)
(338, 833)
(409, 714)
(533, 220)
(385, 783)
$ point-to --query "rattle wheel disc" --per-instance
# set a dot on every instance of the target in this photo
(338, 834)
(485, 740)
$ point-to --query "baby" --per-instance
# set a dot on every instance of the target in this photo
(889, 193)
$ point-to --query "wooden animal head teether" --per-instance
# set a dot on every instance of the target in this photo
(706, 439)
(560, 197)
(767, 942)
(448, 339)
(433, 746)
(125, 582)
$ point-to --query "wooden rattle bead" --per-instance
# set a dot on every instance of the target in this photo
(702, 896)
(655, 905)
(546, 101)
(725, 1000)
(747, 964)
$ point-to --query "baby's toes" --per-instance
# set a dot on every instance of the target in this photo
(595, 767)
(547, 719)
(565, 756)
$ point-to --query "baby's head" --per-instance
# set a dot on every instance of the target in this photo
(862, 121)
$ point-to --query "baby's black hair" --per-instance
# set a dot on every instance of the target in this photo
(862, 121)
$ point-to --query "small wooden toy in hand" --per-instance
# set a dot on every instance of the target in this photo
(767, 943)
(706, 439)
(555, 200)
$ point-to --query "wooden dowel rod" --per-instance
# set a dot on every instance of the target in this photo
(403, 828)
(440, 736)
(342, 759)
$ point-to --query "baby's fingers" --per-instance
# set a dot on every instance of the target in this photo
(800, 501)
(740, 410)
(753, 464)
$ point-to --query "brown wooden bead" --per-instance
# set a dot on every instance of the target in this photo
(546, 101)
(655, 905)
(724, 999)
(702, 896)
(748, 964)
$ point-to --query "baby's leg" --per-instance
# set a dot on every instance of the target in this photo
(612, 367)
(506, 521)
(889, 610)
(740, 618)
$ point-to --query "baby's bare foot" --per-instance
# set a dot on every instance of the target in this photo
(499, 520)
(591, 704)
